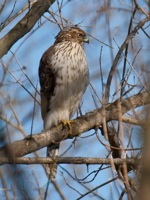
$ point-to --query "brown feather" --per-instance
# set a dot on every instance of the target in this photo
(64, 77)
(47, 82)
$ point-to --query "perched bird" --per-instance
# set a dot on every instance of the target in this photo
(64, 77)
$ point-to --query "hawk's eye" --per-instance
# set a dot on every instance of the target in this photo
(80, 34)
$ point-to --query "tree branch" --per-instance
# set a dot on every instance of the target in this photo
(82, 124)
(117, 58)
(134, 121)
(69, 160)
(24, 25)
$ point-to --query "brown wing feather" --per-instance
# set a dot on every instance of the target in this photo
(47, 82)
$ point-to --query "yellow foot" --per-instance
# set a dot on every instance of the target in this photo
(68, 123)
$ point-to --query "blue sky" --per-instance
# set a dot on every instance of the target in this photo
(28, 51)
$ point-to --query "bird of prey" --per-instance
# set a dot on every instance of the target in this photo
(64, 77)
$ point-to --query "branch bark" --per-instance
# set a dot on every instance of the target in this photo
(69, 160)
(24, 25)
(82, 124)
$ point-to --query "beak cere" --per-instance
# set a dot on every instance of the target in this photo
(86, 39)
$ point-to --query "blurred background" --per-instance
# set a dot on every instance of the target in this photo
(107, 24)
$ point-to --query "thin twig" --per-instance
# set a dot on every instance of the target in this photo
(117, 58)
(97, 188)
(22, 69)
(20, 83)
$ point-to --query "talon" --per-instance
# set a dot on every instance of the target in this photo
(68, 123)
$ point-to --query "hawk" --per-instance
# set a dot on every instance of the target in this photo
(64, 77)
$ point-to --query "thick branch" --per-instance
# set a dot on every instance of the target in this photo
(24, 25)
(89, 121)
(133, 121)
(69, 160)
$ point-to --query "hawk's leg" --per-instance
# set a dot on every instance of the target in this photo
(68, 123)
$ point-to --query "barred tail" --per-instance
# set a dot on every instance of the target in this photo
(51, 169)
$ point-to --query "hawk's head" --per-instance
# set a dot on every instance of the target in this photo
(73, 34)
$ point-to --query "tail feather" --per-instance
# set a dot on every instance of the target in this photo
(51, 169)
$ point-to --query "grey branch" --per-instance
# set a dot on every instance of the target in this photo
(24, 25)
(80, 125)
(69, 160)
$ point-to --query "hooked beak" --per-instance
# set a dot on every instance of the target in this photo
(86, 39)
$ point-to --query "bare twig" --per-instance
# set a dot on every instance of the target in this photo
(117, 58)
(97, 188)
(24, 25)
(19, 82)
